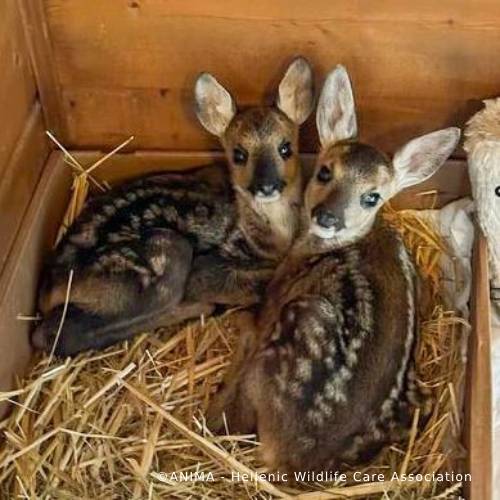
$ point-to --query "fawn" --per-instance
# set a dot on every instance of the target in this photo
(325, 371)
(167, 247)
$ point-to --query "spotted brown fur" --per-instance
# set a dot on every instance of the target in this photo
(324, 371)
(170, 246)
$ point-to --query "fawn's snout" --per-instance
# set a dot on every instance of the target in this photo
(328, 218)
(268, 179)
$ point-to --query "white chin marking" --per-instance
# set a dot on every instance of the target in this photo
(322, 232)
(262, 198)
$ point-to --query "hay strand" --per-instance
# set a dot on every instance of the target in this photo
(120, 423)
(80, 186)
(63, 316)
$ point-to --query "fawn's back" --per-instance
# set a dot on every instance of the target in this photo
(327, 374)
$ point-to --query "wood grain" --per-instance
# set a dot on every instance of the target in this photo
(40, 48)
(17, 85)
(23, 146)
(19, 278)
(479, 414)
(448, 184)
(20, 177)
(127, 67)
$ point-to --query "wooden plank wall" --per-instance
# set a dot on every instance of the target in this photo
(23, 152)
(17, 86)
(127, 66)
(23, 146)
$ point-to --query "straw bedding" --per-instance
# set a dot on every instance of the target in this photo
(118, 423)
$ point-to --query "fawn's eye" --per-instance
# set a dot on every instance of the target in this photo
(324, 175)
(369, 200)
(285, 150)
(240, 155)
(497, 191)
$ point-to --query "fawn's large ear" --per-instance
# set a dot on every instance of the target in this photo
(215, 107)
(421, 157)
(336, 113)
(296, 91)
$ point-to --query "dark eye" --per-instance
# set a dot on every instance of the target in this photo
(369, 200)
(285, 150)
(324, 175)
(497, 191)
(240, 156)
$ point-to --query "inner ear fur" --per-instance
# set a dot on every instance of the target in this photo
(215, 107)
(336, 114)
(296, 91)
(422, 157)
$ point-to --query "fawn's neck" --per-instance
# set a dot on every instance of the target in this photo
(270, 227)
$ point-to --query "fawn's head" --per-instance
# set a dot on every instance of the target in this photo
(352, 180)
(261, 143)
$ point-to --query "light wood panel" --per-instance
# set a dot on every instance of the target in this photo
(127, 67)
(17, 85)
(448, 184)
(23, 153)
(479, 407)
(40, 49)
(19, 279)
(19, 179)
(23, 146)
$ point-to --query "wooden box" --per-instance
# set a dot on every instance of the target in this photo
(95, 72)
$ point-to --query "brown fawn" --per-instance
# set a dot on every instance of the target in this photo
(170, 246)
(325, 371)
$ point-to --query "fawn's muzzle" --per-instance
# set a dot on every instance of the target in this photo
(328, 219)
(267, 184)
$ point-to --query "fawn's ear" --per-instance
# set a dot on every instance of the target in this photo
(296, 91)
(215, 108)
(336, 113)
(422, 157)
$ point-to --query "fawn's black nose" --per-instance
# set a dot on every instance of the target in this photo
(327, 218)
(267, 181)
(268, 189)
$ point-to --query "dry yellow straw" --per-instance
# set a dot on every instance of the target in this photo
(217, 453)
(79, 430)
(80, 186)
(63, 316)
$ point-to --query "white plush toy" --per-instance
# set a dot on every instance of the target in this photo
(483, 148)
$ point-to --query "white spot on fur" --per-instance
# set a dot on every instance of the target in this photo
(315, 417)
(120, 203)
(356, 343)
(304, 369)
(158, 264)
(352, 358)
(345, 374)
(295, 390)
(408, 272)
(329, 362)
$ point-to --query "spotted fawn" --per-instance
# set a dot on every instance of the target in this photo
(170, 246)
(325, 369)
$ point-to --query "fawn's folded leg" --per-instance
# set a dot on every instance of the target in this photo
(124, 299)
